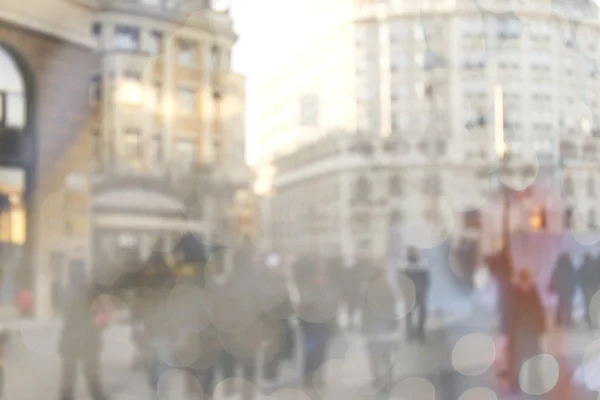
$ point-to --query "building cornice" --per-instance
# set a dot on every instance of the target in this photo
(205, 20)
(46, 28)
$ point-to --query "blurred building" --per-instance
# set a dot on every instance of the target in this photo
(46, 58)
(418, 82)
(169, 139)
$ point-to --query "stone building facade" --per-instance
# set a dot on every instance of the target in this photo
(336, 197)
(169, 134)
(45, 148)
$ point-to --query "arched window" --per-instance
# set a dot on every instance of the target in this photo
(12, 94)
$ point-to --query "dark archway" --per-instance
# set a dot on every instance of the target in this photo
(18, 155)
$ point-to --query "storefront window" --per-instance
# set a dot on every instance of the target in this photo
(12, 209)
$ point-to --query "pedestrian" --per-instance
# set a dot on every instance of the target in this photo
(349, 286)
(316, 308)
(393, 259)
(421, 281)
(589, 281)
(281, 347)
(80, 344)
(527, 325)
(378, 327)
(25, 303)
(563, 284)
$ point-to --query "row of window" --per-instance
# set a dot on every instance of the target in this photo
(432, 185)
(504, 28)
(138, 152)
(128, 38)
(186, 97)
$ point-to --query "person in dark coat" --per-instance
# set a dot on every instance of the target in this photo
(589, 281)
(527, 325)
(80, 344)
(421, 280)
(317, 310)
(563, 284)
(349, 284)
(317, 336)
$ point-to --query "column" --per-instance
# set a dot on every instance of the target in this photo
(384, 77)
(169, 100)
(208, 106)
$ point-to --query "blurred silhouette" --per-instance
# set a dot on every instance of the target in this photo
(349, 282)
(527, 325)
(421, 280)
(589, 280)
(80, 344)
(317, 307)
(379, 323)
(563, 284)
(393, 258)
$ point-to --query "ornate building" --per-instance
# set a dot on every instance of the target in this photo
(169, 139)
(427, 76)
(46, 57)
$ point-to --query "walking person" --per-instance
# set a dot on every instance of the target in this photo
(317, 309)
(80, 344)
(378, 327)
(589, 281)
(526, 327)
(393, 259)
(563, 283)
(421, 281)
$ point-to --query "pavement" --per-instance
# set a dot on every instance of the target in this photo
(33, 367)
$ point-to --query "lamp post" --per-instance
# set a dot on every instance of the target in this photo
(431, 62)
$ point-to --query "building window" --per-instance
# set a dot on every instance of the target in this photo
(156, 42)
(186, 156)
(591, 187)
(12, 94)
(362, 190)
(97, 148)
(156, 147)
(13, 217)
(96, 89)
(133, 145)
(188, 53)
(186, 100)
(127, 38)
(215, 56)
(132, 75)
(568, 186)
(396, 188)
(509, 28)
(309, 110)
(97, 29)
(432, 185)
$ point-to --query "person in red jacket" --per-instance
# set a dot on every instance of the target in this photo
(527, 324)
(25, 303)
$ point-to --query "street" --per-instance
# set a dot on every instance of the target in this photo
(33, 365)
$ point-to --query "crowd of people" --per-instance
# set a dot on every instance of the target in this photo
(252, 319)
(255, 313)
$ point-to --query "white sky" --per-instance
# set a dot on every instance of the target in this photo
(270, 32)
